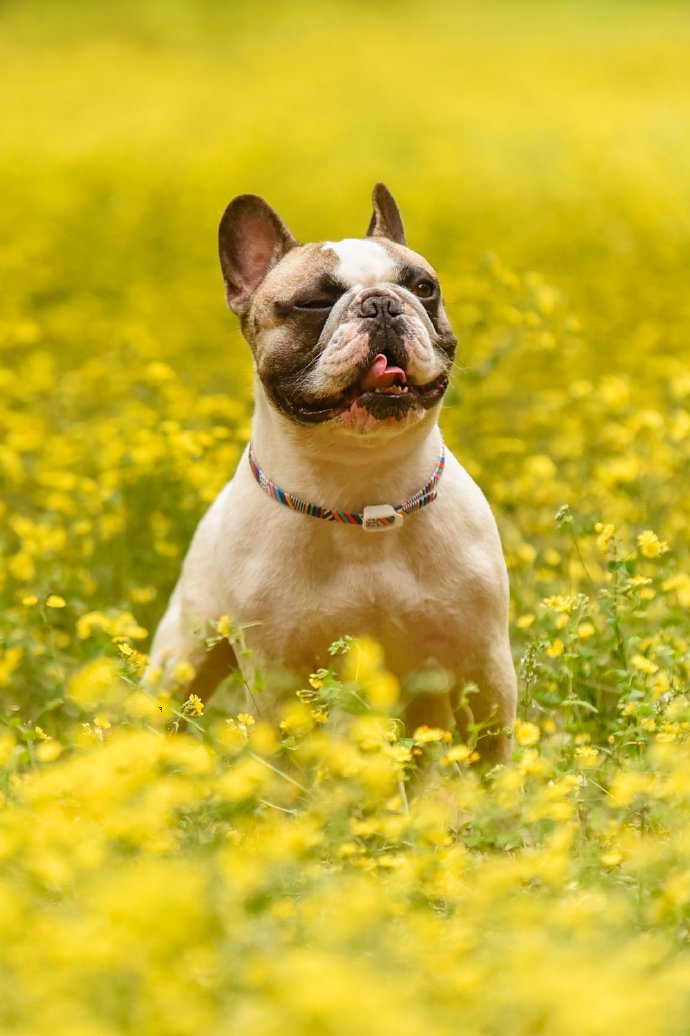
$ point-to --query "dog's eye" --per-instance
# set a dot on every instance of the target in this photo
(313, 304)
(424, 289)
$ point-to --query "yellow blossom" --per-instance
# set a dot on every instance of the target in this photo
(48, 751)
(457, 754)
(424, 735)
(194, 706)
(644, 665)
(650, 544)
(555, 648)
(562, 602)
(224, 626)
(587, 756)
(10, 660)
(526, 734)
(606, 533)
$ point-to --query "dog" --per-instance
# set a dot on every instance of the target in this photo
(346, 513)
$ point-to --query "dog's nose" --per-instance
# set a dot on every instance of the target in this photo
(380, 307)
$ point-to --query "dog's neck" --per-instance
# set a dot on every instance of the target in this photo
(326, 467)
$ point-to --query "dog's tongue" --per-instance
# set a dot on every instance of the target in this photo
(380, 375)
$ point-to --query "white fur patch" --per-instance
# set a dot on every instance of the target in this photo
(362, 263)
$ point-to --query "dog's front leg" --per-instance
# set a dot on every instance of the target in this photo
(176, 641)
(492, 706)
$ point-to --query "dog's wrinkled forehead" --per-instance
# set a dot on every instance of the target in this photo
(350, 264)
(360, 263)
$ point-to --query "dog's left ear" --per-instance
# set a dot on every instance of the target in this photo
(252, 238)
(386, 220)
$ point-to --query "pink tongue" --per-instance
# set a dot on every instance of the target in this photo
(380, 375)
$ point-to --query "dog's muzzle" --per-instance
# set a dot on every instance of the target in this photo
(382, 319)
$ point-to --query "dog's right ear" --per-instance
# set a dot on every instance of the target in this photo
(252, 238)
(386, 220)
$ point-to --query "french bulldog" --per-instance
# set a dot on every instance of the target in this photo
(346, 513)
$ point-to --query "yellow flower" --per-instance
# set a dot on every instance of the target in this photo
(680, 582)
(22, 567)
(382, 690)
(644, 665)
(425, 735)
(457, 754)
(650, 544)
(564, 603)
(142, 594)
(605, 537)
(526, 733)
(29, 600)
(10, 659)
(95, 683)
(556, 648)
(400, 753)
(224, 626)
(90, 621)
(48, 751)
(194, 706)
(587, 756)
(626, 786)
(245, 719)
(55, 601)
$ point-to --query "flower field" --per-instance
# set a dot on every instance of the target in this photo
(173, 869)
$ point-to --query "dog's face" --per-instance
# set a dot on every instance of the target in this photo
(351, 332)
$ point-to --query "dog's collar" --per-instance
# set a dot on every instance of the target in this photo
(375, 518)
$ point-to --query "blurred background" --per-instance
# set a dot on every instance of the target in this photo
(540, 153)
(553, 134)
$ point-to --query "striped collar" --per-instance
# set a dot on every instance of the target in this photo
(374, 518)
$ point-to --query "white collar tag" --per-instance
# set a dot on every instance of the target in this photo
(381, 518)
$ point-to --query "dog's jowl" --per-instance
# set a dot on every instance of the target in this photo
(346, 513)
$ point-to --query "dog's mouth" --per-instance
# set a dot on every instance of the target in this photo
(383, 389)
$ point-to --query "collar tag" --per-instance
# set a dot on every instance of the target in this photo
(381, 518)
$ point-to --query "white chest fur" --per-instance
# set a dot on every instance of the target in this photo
(432, 591)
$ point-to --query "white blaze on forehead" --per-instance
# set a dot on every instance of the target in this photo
(361, 264)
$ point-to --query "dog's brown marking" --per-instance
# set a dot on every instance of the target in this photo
(216, 665)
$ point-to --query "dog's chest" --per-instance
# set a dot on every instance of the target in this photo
(308, 584)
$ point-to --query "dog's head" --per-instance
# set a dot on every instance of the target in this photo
(350, 332)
